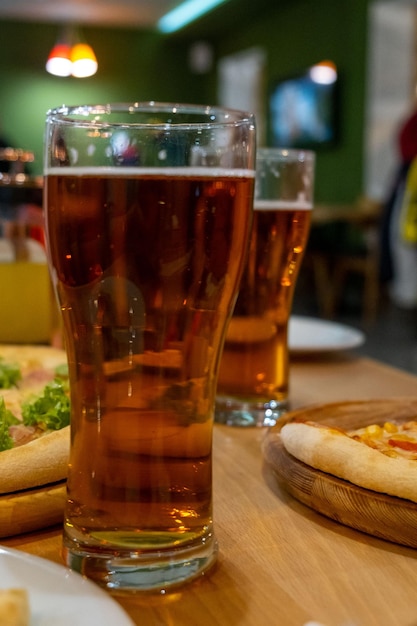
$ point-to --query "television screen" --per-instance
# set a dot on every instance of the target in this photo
(302, 113)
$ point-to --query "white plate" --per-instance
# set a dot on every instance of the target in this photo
(307, 334)
(58, 596)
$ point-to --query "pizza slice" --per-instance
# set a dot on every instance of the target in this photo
(379, 457)
(34, 417)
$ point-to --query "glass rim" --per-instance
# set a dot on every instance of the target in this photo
(88, 115)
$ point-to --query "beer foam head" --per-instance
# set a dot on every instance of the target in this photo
(205, 172)
(283, 205)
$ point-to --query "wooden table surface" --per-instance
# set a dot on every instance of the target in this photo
(280, 563)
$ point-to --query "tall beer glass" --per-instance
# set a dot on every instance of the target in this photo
(254, 372)
(148, 213)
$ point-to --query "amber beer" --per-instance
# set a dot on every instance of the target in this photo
(145, 267)
(254, 366)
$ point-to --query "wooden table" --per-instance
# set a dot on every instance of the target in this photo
(280, 563)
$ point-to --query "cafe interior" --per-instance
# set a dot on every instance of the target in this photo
(244, 56)
(287, 557)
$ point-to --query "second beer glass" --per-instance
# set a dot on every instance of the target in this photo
(254, 373)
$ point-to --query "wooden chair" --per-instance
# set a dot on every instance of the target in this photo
(332, 269)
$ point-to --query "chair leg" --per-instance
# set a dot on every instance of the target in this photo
(371, 295)
(324, 288)
(339, 280)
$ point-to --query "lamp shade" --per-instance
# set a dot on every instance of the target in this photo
(83, 59)
(59, 62)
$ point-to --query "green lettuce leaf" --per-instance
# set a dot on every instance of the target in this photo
(10, 374)
(51, 409)
(6, 419)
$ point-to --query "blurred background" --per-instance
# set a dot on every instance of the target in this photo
(360, 268)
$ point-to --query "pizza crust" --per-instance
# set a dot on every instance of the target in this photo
(333, 452)
(14, 607)
(40, 462)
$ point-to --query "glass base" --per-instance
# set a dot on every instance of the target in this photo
(128, 571)
(239, 412)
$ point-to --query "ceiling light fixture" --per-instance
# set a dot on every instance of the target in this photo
(59, 61)
(71, 56)
(83, 59)
(185, 13)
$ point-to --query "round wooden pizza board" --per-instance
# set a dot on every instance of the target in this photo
(377, 514)
(32, 509)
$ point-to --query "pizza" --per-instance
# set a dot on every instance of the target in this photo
(380, 457)
(14, 607)
(34, 417)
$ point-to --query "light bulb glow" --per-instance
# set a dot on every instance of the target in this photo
(324, 73)
(84, 62)
(78, 61)
(59, 63)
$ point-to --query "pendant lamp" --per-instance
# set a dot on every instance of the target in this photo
(72, 56)
(83, 60)
(59, 61)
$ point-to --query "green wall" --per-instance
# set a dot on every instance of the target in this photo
(142, 65)
(296, 34)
